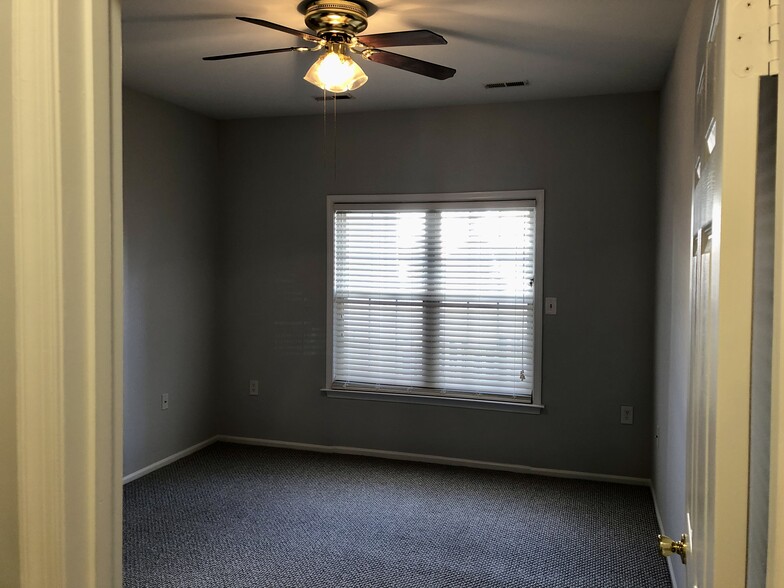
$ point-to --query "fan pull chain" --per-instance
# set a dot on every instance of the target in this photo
(325, 148)
(326, 153)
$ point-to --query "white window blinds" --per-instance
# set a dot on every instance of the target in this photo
(435, 297)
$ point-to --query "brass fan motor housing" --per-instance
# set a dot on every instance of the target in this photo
(325, 17)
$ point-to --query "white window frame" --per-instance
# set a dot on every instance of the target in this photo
(534, 405)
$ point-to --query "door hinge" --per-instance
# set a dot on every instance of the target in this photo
(774, 35)
(754, 31)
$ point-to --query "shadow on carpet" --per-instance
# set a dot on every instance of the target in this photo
(233, 516)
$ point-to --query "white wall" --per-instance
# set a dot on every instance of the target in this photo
(170, 180)
(596, 158)
(673, 276)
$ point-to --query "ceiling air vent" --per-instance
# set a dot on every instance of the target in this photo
(333, 97)
(507, 84)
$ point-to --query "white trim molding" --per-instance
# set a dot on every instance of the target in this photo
(437, 459)
(66, 137)
(478, 403)
(168, 460)
(384, 454)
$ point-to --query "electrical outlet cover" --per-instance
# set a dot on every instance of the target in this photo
(627, 415)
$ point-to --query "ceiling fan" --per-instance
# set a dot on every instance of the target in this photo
(337, 24)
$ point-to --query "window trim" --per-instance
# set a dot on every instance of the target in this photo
(532, 405)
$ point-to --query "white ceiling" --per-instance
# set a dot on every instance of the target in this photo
(564, 47)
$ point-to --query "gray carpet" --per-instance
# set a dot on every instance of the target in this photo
(233, 516)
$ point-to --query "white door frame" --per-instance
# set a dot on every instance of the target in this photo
(66, 186)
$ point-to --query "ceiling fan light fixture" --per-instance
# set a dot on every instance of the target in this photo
(335, 71)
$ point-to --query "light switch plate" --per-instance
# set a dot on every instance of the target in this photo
(551, 305)
(165, 401)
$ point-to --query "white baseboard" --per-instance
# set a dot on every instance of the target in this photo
(661, 530)
(453, 461)
(167, 460)
(397, 455)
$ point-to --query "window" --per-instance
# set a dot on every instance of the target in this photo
(437, 296)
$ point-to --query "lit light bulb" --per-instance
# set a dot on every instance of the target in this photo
(336, 72)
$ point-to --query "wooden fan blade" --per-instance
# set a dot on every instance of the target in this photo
(281, 28)
(424, 68)
(402, 39)
(250, 53)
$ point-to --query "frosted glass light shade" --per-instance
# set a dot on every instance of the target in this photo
(336, 72)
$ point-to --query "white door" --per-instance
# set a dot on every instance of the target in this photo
(733, 57)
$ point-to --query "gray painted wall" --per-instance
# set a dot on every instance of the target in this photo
(170, 174)
(673, 278)
(596, 158)
(9, 526)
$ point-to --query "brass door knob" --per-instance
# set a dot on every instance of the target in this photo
(668, 547)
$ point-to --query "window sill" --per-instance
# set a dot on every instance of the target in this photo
(481, 404)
